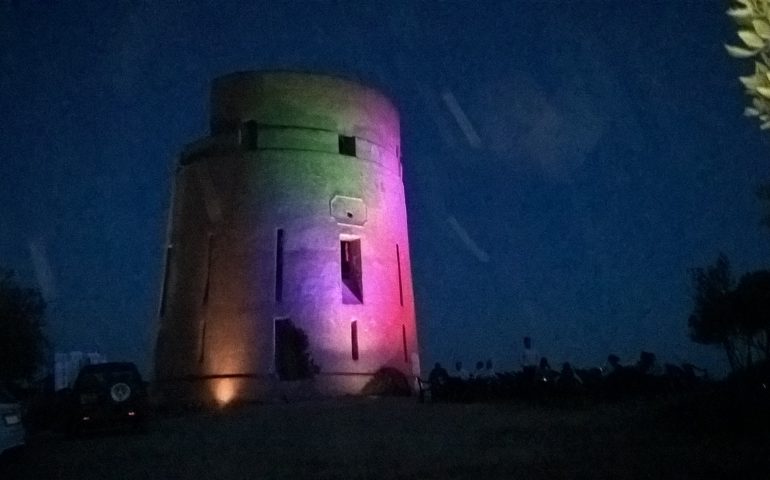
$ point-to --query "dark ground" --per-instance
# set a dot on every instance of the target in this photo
(373, 438)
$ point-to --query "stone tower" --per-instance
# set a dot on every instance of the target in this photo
(287, 263)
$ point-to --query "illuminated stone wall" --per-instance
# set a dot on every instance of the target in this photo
(293, 208)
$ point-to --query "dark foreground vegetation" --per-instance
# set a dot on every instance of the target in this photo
(713, 431)
(542, 384)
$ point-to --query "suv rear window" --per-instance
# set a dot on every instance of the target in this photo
(126, 376)
(97, 379)
(6, 397)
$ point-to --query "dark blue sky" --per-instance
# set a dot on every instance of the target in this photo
(565, 163)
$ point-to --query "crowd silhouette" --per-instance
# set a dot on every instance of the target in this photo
(536, 380)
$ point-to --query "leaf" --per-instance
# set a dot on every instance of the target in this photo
(739, 52)
(751, 112)
(764, 126)
(751, 39)
(749, 82)
(764, 91)
(762, 28)
(740, 13)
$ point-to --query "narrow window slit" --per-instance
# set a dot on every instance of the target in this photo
(400, 284)
(279, 265)
(202, 346)
(208, 272)
(250, 135)
(166, 274)
(354, 339)
(403, 340)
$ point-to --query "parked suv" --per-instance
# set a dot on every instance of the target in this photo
(108, 395)
(11, 428)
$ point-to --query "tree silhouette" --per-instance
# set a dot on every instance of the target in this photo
(752, 304)
(734, 317)
(22, 343)
(292, 359)
(713, 321)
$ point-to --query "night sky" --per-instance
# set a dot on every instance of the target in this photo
(565, 163)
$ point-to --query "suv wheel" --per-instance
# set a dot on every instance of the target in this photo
(120, 392)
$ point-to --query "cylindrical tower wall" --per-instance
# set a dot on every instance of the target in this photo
(291, 213)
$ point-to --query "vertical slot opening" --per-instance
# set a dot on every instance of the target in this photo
(250, 135)
(164, 293)
(279, 265)
(202, 346)
(403, 342)
(207, 287)
(354, 339)
(400, 284)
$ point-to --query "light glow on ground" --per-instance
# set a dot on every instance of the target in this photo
(224, 391)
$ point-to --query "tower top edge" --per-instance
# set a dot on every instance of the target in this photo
(303, 99)
(267, 73)
(287, 78)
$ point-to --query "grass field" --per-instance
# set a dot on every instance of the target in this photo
(399, 438)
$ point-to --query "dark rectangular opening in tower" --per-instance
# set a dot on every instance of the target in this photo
(279, 265)
(250, 135)
(400, 285)
(292, 359)
(347, 145)
(166, 274)
(202, 343)
(207, 287)
(354, 339)
(403, 341)
(350, 271)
